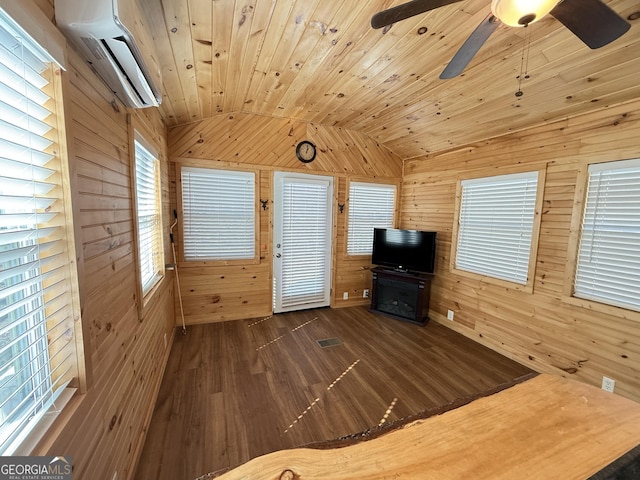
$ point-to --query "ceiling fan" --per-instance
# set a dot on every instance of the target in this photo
(592, 21)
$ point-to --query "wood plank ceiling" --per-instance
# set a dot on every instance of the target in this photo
(319, 61)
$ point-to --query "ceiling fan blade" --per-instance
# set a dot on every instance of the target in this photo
(406, 10)
(591, 21)
(470, 47)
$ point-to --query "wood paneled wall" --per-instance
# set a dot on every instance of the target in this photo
(541, 330)
(46, 6)
(125, 348)
(219, 293)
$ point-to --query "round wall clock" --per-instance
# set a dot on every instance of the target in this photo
(306, 151)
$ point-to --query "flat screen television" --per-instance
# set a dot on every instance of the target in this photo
(406, 250)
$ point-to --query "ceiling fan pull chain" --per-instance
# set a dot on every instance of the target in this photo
(524, 60)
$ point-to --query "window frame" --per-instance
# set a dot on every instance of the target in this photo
(35, 25)
(535, 231)
(577, 215)
(140, 136)
(394, 220)
(179, 234)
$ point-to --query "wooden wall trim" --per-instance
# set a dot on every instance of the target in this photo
(35, 17)
(179, 232)
(528, 286)
(76, 267)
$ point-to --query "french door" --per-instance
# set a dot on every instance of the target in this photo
(302, 237)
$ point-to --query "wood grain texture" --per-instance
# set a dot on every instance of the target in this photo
(246, 141)
(260, 140)
(321, 62)
(46, 6)
(368, 99)
(237, 390)
(125, 351)
(545, 329)
(546, 427)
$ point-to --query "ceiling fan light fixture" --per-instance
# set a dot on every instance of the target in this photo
(520, 13)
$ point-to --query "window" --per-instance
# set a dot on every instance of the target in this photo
(371, 205)
(148, 204)
(608, 264)
(218, 209)
(496, 225)
(38, 288)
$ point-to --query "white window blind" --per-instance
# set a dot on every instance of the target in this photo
(149, 213)
(305, 242)
(495, 226)
(37, 346)
(608, 267)
(218, 214)
(371, 205)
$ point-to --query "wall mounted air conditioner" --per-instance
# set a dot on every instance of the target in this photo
(112, 37)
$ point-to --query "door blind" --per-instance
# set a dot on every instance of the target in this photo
(371, 205)
(608, 267)
(150, 246)
(304, 243)
(496, 223)
(37, 351)
(218, 214)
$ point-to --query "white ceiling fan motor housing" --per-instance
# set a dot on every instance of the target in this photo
(520, 13)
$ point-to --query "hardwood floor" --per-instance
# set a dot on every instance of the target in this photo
(236, 390)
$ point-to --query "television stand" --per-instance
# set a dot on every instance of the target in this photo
(401, 295)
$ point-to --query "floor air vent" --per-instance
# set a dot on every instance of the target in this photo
(329, 342)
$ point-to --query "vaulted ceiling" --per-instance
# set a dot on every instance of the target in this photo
(319, 61)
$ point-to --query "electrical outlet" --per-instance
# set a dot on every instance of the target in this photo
(345, 296)
(608, 384)
(450, 315)
(365, 293)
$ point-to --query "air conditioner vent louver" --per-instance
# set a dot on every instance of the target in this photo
(123, 71)
(94, 47)
(110, 35)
